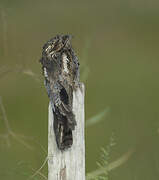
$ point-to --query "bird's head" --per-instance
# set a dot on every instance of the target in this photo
(56, 45)
(54, 50)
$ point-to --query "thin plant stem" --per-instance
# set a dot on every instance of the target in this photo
(37, 172)
(9, 132)
(124, 158)
(41, 174)
(5, 116)
(4, 34)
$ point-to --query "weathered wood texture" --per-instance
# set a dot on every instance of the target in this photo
(68, 164)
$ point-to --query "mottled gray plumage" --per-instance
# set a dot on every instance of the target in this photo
(61, 71)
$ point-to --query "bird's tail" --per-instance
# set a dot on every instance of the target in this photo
(63, 126)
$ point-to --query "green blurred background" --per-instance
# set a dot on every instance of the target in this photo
(117, 45)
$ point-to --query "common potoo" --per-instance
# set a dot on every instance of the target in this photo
(61, 71)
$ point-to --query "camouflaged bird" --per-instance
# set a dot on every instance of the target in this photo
(61, 71)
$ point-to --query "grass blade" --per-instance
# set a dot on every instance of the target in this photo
(97, 118)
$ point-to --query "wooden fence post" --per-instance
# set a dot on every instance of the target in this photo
(68, 164)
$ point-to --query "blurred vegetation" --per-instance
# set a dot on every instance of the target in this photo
(117, 45)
